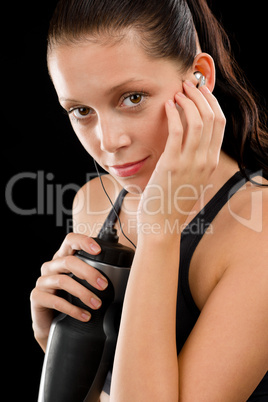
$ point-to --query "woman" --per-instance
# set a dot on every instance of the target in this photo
(194, 322)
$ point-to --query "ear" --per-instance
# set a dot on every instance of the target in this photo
(204, 63)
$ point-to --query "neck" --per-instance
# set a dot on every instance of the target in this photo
(226, 168)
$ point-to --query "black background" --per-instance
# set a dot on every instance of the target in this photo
(37, 136)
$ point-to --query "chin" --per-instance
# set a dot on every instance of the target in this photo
(134, 184)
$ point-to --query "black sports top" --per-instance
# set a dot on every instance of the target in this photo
(187, 311)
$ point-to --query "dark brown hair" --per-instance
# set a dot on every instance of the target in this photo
(167, 29)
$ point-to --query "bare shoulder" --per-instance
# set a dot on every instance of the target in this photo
(248, 222)
(237, 241)
(248, 206)
(233, 325)
(91, 205)
(245, 234)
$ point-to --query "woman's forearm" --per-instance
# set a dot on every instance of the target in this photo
(146, 358)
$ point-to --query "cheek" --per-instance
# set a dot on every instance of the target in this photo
(150, 129)
(157, 127)
(88, 140)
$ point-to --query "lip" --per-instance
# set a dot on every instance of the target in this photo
(128, 169)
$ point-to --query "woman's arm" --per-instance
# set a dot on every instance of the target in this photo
(226, 354)
(146, 366)
(146, 357)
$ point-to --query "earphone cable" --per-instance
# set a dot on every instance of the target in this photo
(107, 195)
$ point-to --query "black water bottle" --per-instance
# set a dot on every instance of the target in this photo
(79, 355)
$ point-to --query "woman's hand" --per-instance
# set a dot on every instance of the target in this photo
(190, 156)
(44, 297)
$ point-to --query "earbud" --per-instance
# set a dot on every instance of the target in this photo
(200, 78)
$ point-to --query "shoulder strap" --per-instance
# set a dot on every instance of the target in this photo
(212, 208)
(194, 231)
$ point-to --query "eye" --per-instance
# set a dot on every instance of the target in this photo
(133, 99)
(81, 113)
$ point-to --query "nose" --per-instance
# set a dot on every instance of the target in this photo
(112, 135)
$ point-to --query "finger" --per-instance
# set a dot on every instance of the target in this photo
(194, 122)
(54, 302)
(73, 264)
(175, 129)
(64, 282)
(219, 120)
(75, 241)
(206, 113)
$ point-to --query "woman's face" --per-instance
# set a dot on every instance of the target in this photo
(115, 98)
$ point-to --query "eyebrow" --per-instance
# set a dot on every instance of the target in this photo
(109, 91)
(119, 86)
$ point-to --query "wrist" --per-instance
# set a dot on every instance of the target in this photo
(159, 234)
(42, 341)
(161, 228)
(41, 337)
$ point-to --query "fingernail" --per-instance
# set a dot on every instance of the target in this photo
(189, 83)
(95, 247)
(170, 103)
(103, 283)
(95, 302)
(86, 316)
